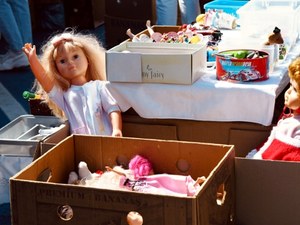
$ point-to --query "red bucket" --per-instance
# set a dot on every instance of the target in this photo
(242, 65)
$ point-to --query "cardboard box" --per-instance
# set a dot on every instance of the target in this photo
(267, 192)
(170, 63)
(35, 201)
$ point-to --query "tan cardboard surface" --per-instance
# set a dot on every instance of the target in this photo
(103, 206)
(267, 192)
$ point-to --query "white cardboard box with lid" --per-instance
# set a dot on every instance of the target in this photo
(169, 63)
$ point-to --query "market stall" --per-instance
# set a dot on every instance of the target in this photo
(214, 108)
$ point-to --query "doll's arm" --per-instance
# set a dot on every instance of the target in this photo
(116, 122)
(37, 68)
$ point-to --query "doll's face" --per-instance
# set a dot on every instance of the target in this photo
(291, 97)
(72, 64)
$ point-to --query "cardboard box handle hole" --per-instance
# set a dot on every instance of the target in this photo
(221, 195)
(65, 212)
(45, 175)
(183, 165)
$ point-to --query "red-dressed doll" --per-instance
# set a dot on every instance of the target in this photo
(284, 140)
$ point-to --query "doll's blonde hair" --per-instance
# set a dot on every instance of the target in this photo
(93, 51)
(294, 71)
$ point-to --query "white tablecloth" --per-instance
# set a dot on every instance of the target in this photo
(208, 99)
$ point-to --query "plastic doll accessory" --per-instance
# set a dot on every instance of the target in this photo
(29, 95)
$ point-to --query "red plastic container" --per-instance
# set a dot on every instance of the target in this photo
(230, 68)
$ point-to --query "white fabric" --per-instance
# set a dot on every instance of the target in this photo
(87, 107)
(208, 99)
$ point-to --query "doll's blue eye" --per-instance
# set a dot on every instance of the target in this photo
(62, 61)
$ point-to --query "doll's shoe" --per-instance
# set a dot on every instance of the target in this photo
(11, 60)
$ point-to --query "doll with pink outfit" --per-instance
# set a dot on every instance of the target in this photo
(140, 178)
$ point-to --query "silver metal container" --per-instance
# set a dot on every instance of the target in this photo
(23, 135)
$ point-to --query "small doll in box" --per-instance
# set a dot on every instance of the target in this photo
(139, 177)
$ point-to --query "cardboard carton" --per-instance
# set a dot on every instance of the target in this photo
(267, 192)
(171, 63)
(40, 189)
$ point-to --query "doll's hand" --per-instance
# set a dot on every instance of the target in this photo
(29, 50)
(117, 133)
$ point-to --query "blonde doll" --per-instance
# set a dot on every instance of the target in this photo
(71, 73)
(284, 140)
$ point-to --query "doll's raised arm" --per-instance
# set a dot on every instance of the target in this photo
(37, 68)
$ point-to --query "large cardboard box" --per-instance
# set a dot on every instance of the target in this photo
(36, 195)
(171, 63)
(267, 192)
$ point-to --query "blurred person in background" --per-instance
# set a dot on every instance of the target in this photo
(15, 29)
(166, 11)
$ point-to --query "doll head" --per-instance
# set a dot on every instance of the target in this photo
(292, 95)
(140, 166)
(294, 71)
(68, 40)
(88, 43)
